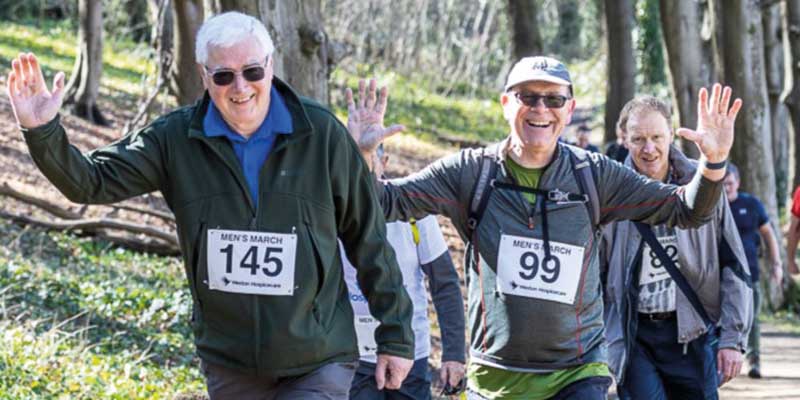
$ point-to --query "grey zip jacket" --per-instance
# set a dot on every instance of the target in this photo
(526, 334)
(726, 295)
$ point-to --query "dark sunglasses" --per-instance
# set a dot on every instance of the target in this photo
(251, 74)
(549, 100)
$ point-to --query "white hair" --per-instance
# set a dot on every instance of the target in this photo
(228, 29)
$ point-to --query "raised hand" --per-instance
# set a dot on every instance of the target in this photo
(365, 118)
(32, 103)
(715, 119)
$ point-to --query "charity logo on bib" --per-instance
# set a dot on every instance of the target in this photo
(523, 269)
(251, 262)
(652, 268)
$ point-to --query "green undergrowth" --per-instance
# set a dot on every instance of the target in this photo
(125, 65)
(82, 320)
(425, 113)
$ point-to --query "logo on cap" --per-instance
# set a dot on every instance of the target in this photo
(539, 64)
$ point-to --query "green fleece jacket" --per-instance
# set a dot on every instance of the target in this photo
(314, 185)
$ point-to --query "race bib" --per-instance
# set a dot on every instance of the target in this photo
(251, 262)
(365, 333)
(522, 269)
(652, 268)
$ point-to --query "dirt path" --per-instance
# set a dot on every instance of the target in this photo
(780, 367)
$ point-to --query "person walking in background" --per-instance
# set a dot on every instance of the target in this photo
(582, 134)
(616, 150)
(666, 342)
(421, 251)
(753, 225)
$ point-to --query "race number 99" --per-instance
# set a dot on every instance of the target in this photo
(523, 269)
(529, 263)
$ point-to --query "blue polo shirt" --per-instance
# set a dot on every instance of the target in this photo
(252, 152)
(749, 214)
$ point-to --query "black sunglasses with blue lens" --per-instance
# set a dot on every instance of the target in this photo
(225, 77)
(549, 100)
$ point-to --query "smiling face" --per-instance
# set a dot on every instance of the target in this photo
(242, 104)
(537, 128)
(648, 139)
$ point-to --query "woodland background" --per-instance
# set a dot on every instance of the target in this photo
(92, 299)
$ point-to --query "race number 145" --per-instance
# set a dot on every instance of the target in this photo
(251, 262)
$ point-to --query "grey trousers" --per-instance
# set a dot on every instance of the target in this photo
(329, 382)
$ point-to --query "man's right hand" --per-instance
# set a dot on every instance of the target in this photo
(33, 104)
(365, 118)
(391, 371)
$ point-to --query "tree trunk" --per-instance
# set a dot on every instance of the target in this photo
(570, 22)
(84, 84)
(301, 44)
(184, 77)
(743, 45)
(686, 34)
(772, 23)
(792, 101)
(526, 40)
(621, 65)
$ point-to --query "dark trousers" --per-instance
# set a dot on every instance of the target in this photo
(754, 340)
(329, 382)
(593, 388)
(660, 368)
(416, 386)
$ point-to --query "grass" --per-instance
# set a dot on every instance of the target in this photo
(424, 113)
(125, 65)
(80, 319)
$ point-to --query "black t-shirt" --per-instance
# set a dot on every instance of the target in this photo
(749, 214)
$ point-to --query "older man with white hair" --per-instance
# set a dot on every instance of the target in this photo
(262, 182)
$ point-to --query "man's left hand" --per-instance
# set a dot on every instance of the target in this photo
(391, 371)
(715, 120)
(729, 364)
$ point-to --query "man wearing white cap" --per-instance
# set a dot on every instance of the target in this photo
(530, 209)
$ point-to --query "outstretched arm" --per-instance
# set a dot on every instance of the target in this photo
(776, 267)
(792, 239)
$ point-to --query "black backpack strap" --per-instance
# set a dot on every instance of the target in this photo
(584, 174)
(676, 275)
(482, 189)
